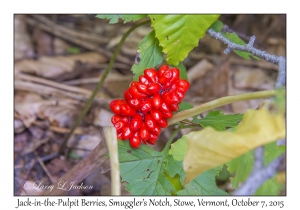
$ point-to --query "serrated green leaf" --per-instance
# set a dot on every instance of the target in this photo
(127, 18)
(150, 55)
(179, 34)
(184, 106)
(144, 170)
(219, 121)
(205, 184)
(243, 165)
(217, 27)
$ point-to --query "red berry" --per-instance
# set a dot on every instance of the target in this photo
(127, 132)
(156, 115)
(170, 98)
(120, 125)
(150, 124)
(156, 130)
(127, 95)
(151, 75)
(135, 141)
(164, 107)
(135, 93)
(175, 75)
(127, 110)
(144, 133)
(167, 114)
(156, 101)
(136, 122)
(162, 123)
(181, 85)
(142, 88)
(162, 69)
(143, 80)
(115, 106)
(115, 119)
(135, 103)
(173, 107)
(152, 139)
(153, 88)
(147, 105)
(165, 77)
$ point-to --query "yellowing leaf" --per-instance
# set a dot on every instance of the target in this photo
(209, 148)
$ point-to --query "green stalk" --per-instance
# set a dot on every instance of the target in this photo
(91, 99)
(219, 102)
(166, 148)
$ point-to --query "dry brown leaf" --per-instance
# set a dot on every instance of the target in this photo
(209, 148)
(58, 66)
(60, 113)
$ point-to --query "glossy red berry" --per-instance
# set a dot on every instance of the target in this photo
(115, 119)
(156, 115)
(148, 103)
(154, 88)
(144, 132)
(151, 75)
(156, 101)
(115, 106)
(135, 141)
(136, 122)
(150, 123)
(143, 80)
(135, 103)
(127, 132)
(127, 110)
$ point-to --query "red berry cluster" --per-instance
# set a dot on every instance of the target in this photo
(147, 105)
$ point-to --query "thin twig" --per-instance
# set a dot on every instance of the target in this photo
(112, 144)
(44, 167)
(278, 60)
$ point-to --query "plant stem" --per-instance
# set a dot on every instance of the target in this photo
(219, 102)
(91, 99)
(166, 148)
(112, 144)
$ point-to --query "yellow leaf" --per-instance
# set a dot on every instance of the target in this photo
(209, 148)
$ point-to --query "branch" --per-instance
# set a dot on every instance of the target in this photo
(278, 60)
(259, 175)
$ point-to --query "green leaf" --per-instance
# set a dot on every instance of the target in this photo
(217, 27)
(179, 34)
(179, 149)
(144, 170)
(182, 69)
(150, 55)
(243, 165)
(184, 106)
(205, 184)
(126, 18)
(219, 121)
